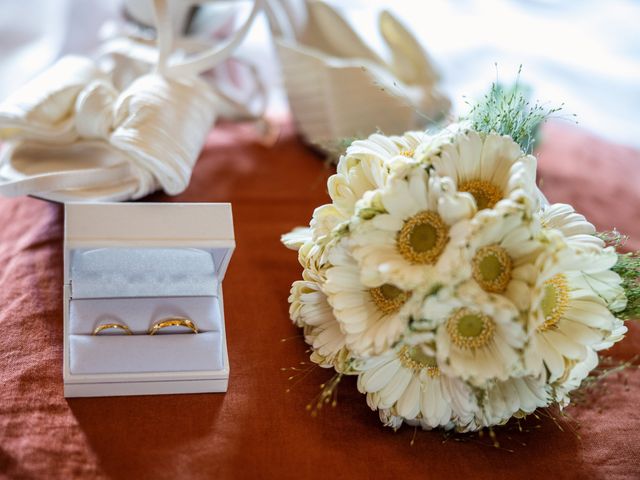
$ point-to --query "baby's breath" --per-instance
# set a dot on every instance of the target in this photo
(508, 111)
(628, 267)
(613, 238)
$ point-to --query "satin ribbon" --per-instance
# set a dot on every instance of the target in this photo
(155, 127)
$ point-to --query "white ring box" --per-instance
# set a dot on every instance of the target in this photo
(137, 264)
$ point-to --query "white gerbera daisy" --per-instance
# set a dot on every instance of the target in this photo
(365, 166)
(406, 382)
(402, 245)
(606, 283)
(479, 334)
(574, 373)
(383, 148)
(432, 145)
(309, 309)
(311, 256)
(501, 250)
(568, 314)
(580, 235)
(354, 178)
(488, 167)
(325, 218)
(616, 334)
(578, 232)
(388, 419)
(515, 397)
(312, 242)
(296, 238)
(373, 319)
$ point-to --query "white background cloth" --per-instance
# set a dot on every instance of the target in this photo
(585, 53)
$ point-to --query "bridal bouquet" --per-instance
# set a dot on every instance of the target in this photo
(442, 278)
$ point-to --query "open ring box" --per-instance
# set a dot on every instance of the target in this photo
(137, 264)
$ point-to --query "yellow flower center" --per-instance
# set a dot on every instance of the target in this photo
(422, 238)
(407, 153)
(486, 194)
(492, 268)
(554, 301)
(469, 329)
(415, 359)
(388, 298)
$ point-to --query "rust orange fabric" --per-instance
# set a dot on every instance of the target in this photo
(257, 429)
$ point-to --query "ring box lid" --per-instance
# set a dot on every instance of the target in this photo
(203, 226)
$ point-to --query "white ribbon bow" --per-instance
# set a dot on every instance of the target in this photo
(154, 129)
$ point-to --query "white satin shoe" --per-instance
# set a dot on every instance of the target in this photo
(338, 87)
(82, 132)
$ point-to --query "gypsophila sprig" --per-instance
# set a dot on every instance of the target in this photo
(440, 277)
(628, 267)
(613, 238)
(509, 111)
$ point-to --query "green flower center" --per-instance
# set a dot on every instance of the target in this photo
(469, 329)
(554, 302)
(422, 238)
(389, 298)
(492, 268)
(415, 359)
(470, 325)
(549, 301)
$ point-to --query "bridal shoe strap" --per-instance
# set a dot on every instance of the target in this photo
(241, 95)
(202, 61)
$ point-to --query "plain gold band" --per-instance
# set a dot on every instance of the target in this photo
(173, 322)
(106, 326)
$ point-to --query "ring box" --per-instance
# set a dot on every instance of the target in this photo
(137, 264)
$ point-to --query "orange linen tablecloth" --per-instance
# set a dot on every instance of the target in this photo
(256, 429)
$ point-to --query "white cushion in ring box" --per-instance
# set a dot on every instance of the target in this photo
(141, 272)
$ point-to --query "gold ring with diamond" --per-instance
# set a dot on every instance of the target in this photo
(115, 325)
(173, 322)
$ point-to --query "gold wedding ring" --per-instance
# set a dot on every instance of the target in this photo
(108, 326)
(173, 322)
